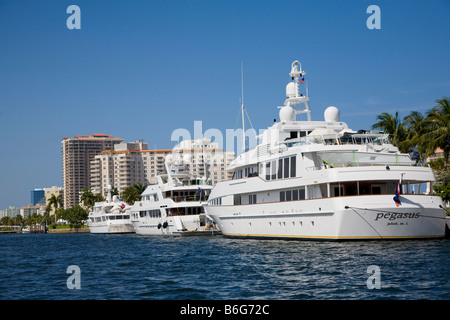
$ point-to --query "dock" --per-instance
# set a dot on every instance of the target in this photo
(10, 229)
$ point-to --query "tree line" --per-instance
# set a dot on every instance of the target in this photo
(129, 195)
(424, 134)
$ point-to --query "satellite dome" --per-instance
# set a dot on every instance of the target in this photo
(287, 113)
(291, 90)
(331, 114)
(187, 158)
(169, 159)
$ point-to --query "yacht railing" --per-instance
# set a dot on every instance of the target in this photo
(346, 139)
(353, 165)
(195, 198)
(197, 182)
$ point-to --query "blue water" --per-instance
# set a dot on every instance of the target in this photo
(34, 266)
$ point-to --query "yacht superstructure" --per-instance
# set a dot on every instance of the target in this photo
(321, 180)
(174, 206)
(110, 217)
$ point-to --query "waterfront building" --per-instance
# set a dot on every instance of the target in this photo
(27, 211)
(57, 191)
(37, 197)
(131, 162)
(438, 154)
(207, 160)
(77, 154)
(11, 212)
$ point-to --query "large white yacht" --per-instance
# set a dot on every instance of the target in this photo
(110, 217)
(321, 180)
(174, 206)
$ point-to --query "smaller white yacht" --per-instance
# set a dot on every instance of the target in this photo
(174, 205)
(110, 217)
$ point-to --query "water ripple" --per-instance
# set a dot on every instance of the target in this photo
(135, 267)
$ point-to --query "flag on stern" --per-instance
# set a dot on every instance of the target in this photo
(398, 192)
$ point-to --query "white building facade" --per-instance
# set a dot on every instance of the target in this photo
(131, 162)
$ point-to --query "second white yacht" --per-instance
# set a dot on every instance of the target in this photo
(110, 217)
(174, 206)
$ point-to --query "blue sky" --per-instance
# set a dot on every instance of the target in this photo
(141, 69)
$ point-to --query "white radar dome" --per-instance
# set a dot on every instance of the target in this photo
(331, 114)
(169, 159)
(291, 90)
(287, 113)
(187, 158)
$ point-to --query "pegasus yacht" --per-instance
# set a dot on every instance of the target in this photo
(321, 180)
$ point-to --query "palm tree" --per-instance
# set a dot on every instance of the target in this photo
(54, 201)
(415, 126)
(392, 125)
(139, 187)
(87, 197)
(131, 195)
(114, 191)
(438, 129)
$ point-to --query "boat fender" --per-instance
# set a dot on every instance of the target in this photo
(165, 224)
(159, 225)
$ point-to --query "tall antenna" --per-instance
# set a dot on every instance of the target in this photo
(242, 107)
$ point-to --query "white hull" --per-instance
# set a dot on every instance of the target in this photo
(111, 227)
(172, 225)
(366, 217)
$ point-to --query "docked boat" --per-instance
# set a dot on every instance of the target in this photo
(110, 217)
(321, 180)
(174, 205)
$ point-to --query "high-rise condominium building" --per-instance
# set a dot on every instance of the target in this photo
(126, 165)
(77, 154)
(130, 163)
(207, 160)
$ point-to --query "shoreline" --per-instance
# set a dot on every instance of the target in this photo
(50, 231)
(67, 230)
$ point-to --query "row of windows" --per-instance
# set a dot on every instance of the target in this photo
(246, 172)
(104, 218)
(281, 168)
(153, 197)
(295, 194)
(149, 213)
(216, 202)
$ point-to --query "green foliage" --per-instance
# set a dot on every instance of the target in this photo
(443, 191)
(133, 193)
(88, 198)
(442, 185)
(114, 191)
(418, 132)
(54, 201)
(392, 125)
(130, 195)
(75, 215)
